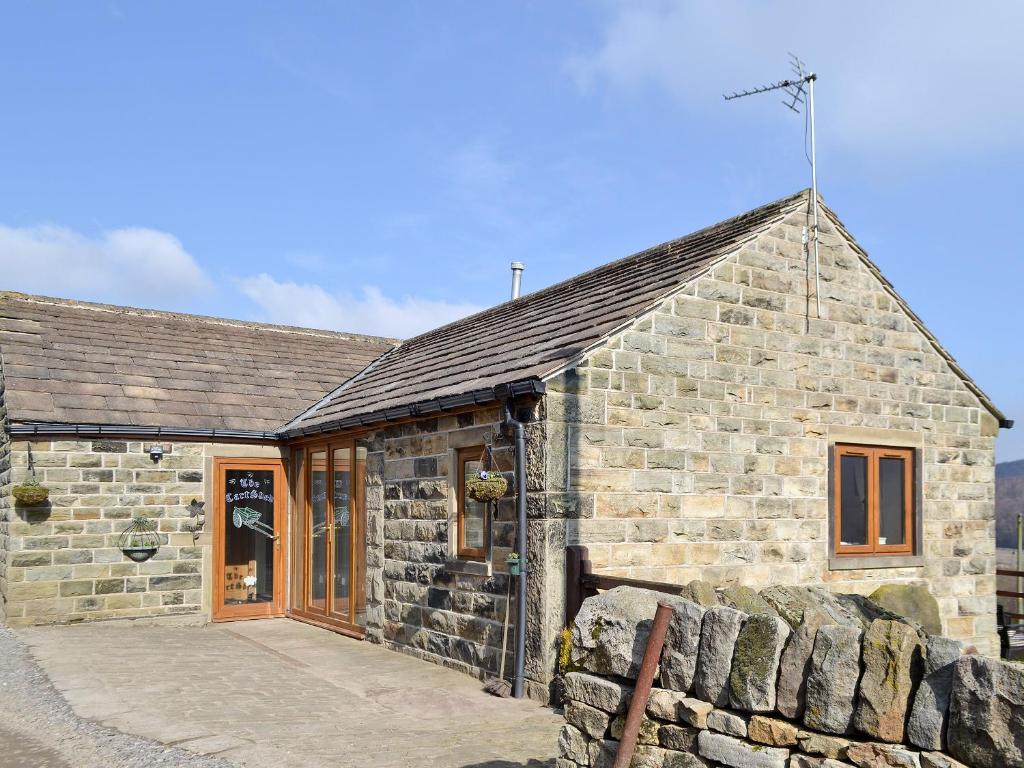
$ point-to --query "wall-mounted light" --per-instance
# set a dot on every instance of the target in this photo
(156, 452)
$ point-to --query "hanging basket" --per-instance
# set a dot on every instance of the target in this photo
(139, 541)
(486, 487)
(30, 493)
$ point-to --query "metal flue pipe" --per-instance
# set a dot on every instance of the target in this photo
(517, 277)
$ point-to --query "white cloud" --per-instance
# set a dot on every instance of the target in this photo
(126, 266)
(307, 304)
(893, 76)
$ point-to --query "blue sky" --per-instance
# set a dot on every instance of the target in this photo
(375, 167)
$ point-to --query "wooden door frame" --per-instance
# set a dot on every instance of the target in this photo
(357, 560)
(218, 610)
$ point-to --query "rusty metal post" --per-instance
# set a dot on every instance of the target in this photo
(637, 705)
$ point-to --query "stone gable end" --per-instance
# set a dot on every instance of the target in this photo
(694, 443)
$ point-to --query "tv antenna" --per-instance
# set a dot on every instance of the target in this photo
(796, 88)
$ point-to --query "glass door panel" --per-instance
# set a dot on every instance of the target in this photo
(319, 534)
(341, 563)
(248, 522)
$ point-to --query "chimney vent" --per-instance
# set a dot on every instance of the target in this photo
(517, 277)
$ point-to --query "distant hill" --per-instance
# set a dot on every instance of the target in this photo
(1009, 501)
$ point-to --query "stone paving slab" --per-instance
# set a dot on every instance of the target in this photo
(281, 693)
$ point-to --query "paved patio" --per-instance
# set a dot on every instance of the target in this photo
(281, 693)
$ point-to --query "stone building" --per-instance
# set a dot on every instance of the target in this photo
(688, 413)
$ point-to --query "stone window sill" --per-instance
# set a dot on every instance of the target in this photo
(868, 562)
(471, 567)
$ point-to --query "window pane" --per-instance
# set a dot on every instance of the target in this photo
(249, 536)
(342, 530)
(853, 499)
(359, 522)
(891, 490)
(318, 530)
(474, 516)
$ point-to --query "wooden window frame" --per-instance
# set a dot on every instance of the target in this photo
(873, 454)
(462, 455)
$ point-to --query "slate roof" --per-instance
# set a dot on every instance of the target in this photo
(535, 335)
(78, 363)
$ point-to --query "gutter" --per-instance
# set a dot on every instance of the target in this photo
(130, 430)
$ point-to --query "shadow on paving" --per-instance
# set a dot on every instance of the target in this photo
(511, 764)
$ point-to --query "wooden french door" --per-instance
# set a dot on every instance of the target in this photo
(248, 528)
(334, 551)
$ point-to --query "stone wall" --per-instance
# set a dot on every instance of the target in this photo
(434, 605)
(63, 562)
(6, 502)
(694, 444)
(823, 681)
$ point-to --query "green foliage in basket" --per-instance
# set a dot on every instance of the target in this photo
(30, 493)
(486, 486)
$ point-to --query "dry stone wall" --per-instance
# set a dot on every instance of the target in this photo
(694, 444)
(822, 680)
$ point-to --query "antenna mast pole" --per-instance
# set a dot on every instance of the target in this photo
(814, 193)
(795, 89)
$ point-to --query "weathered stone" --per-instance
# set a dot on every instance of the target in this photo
(819, 744)
(755, 663)
(912, 601)
(573, 743)
(648, 733)
(682, 642)
(832, 680)
(795, 664)
(678, 737)
(561, 762)
(929, 714)
(874, 755)
(590, 720)
(792, 603)
(889, 652)
(772, 731)
(986, 713)
(731, 723)
(597, 692)
(864, 610)
(675, 706)
(740, 754)
(609, 634)
(718, 634)
(939, 760)
(602, 755)
(700, 592)
(747, 600)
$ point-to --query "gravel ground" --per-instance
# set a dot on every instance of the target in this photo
(39, 730)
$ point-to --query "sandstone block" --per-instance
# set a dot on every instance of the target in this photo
(831, 747)
(700, 592)
(747, 600)
(833, 677)
(889, 652)
(795, 665)
(719, 630)
(755, 663)
(929, 714)
(573, 744)
(590, 720)
(682, 641)
(939, 760)
(772, 731)
(740, 754)
(648, 730)
(682, 738)
(912, 601)
(606, 695)
(602, 755)
(986, 713)
(675, 706)
(730, 723)
(610, 631)
(874, 755)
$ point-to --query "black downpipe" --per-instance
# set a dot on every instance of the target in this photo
(520, 648)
